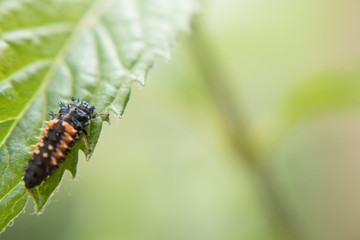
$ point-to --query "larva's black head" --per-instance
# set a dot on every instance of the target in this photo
(77, 112)
(82, 105)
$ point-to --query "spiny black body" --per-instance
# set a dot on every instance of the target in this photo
(59, 136)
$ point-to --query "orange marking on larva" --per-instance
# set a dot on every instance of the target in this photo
(45, 131)
(67, 138)
(53, 162)
(69, 129)
(63, 146)
(35, 146)
(59, 154)
(52, 122)
(40, 138)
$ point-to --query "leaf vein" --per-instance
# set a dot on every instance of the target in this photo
(7, 120)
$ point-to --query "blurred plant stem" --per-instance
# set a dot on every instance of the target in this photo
(235, 127)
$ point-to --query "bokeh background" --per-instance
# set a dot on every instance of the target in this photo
(250, 132)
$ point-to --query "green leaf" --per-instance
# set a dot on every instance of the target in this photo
(323, 93)
(320, 94)
(52, 50)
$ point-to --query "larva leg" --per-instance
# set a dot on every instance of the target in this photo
(99, 115)
(86, 141)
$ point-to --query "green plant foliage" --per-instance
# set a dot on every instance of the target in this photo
(327, 92)
(88, 49)
(321, 94)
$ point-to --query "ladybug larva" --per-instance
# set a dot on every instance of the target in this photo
(58, 137)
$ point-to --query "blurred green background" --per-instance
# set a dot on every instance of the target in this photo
(250, 132)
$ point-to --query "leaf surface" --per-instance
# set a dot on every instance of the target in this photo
(52, 50)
